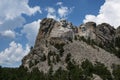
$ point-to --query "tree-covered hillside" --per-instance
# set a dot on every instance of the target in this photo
(86, 71)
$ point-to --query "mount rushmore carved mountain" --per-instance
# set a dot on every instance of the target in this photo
(60, 42)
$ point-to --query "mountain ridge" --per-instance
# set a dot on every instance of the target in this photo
(57, 40)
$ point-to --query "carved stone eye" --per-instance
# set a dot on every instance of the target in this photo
(83, 29)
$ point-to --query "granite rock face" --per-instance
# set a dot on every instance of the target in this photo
(56, 39)
(87, 30)
(118, 32)
(102, 33)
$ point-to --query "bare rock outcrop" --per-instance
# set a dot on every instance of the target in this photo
(56, 39)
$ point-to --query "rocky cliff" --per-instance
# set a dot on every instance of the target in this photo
(58, 39)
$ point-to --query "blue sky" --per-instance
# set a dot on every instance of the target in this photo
(19, 21)
(80, 8)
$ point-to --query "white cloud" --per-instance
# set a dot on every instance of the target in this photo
(63, 11)
(8, 33)
(50, 10)
(51, 13)
(12, 55)
(11, 13)
(51, 16)
(10, 19)
(11, 9)
(60, 12)
(31, 30)
(59, 3)
(12, 24)
(109, 13)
